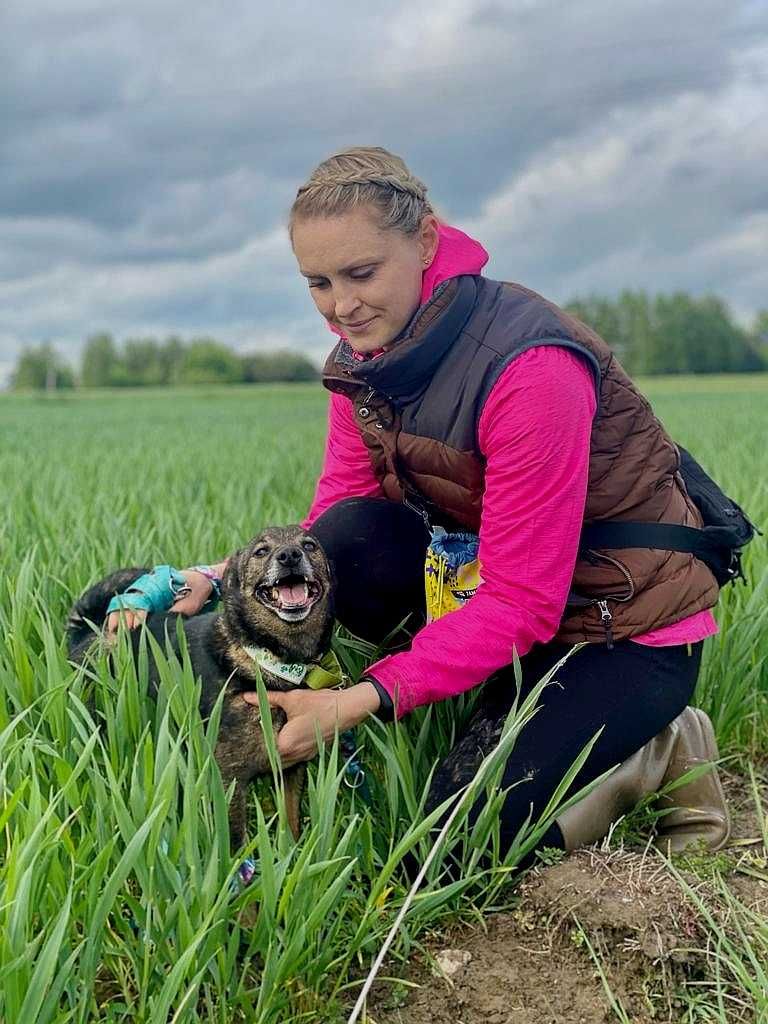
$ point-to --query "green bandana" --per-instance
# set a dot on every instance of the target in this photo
(317, 675)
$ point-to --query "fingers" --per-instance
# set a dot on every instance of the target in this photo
(295, 746)
(199, 590)
(131, 618)
(296, 741)
(276, 699)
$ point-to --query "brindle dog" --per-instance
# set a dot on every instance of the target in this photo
(276, 594)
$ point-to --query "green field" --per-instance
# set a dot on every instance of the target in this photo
(116, 896)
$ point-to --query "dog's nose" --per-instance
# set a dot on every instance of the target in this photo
(290, 556)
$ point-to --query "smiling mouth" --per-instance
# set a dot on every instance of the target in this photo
(361, 326)
(292, 597)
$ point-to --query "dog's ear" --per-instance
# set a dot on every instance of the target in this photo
(231, 579)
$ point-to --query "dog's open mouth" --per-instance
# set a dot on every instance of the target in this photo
(291, 597)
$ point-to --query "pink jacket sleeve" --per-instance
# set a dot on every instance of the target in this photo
(347, 471)
(534, 432)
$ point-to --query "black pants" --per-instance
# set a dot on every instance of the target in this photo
(632, 692)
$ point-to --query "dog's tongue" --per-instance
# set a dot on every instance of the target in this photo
(292, 594)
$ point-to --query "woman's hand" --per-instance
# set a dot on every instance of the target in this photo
(328, 709)
(131, 617)
(190, 603)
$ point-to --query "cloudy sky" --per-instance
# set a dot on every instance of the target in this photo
(150, 150)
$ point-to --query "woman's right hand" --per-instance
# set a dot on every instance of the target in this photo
(190, 603)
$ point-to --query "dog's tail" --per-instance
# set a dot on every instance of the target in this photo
(91, 607)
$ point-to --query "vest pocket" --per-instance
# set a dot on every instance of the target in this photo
(601, 577)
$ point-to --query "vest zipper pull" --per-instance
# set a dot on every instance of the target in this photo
(363, 411)
(606, 618)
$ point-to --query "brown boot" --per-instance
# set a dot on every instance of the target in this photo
(699, 813)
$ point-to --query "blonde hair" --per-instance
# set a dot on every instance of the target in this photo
(358, 176)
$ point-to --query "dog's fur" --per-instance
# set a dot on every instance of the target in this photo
(261, 606)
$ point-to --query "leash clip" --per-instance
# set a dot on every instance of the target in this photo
(354, 776)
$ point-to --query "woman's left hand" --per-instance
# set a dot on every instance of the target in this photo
(326, 710)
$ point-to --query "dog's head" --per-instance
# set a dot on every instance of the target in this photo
(277, 593)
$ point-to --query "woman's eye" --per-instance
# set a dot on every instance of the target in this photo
(362, 276)
(317, 284)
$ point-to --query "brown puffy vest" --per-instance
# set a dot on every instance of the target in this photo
(418, 408)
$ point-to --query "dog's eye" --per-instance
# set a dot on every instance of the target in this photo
(309, 545)
(260, 552)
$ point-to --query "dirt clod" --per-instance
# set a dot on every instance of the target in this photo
(620, 909)
(449, 961)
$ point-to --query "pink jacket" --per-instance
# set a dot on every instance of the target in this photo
(533, 506)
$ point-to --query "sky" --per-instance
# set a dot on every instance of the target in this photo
(150, 151)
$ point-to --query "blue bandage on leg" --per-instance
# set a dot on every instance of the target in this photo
(155, 591)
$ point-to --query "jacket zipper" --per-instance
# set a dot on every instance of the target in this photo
(365, 412)
(607, 619)
(605, 615)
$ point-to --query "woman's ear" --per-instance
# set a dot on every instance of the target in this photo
(429, 238)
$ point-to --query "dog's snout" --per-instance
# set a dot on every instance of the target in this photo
(290, 556)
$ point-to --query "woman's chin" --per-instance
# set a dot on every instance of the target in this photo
(365, 344)
(364, 348)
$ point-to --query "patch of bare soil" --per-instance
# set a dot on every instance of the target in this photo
(535, 966)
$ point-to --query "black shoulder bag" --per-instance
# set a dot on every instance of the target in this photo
(726, 530)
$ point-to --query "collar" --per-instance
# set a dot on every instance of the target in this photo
(317, 675)
(404, 371)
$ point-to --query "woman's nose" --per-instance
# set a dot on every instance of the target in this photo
(345, 304)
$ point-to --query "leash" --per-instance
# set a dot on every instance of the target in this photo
(354, 776)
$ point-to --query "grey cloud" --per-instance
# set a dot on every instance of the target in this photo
(149, 153)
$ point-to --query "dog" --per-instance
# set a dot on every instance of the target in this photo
(276, 616)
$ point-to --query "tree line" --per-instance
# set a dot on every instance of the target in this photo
(654, 334)
(147, 362)
(651, 334)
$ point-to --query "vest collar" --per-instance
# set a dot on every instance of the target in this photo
(403, 373)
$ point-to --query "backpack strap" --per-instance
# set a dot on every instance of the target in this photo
(714, 545)
(668, 536)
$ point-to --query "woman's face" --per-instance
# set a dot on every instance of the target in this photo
(365, 280)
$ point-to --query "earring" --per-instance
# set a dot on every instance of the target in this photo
(427, 261)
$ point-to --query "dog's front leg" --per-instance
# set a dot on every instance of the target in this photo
(241, 754)
(295, 779)
(238, 815)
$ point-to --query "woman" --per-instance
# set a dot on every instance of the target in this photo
(478, 405)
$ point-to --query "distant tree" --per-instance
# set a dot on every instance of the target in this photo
(99, 365)
(625, 323)
(142, 363)
(602, 316)
(41, 369)
(208, 362)
(172, 357)
(759, 334)
(639, 331)
(701, 337)
(266, 367)
(670, 333)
